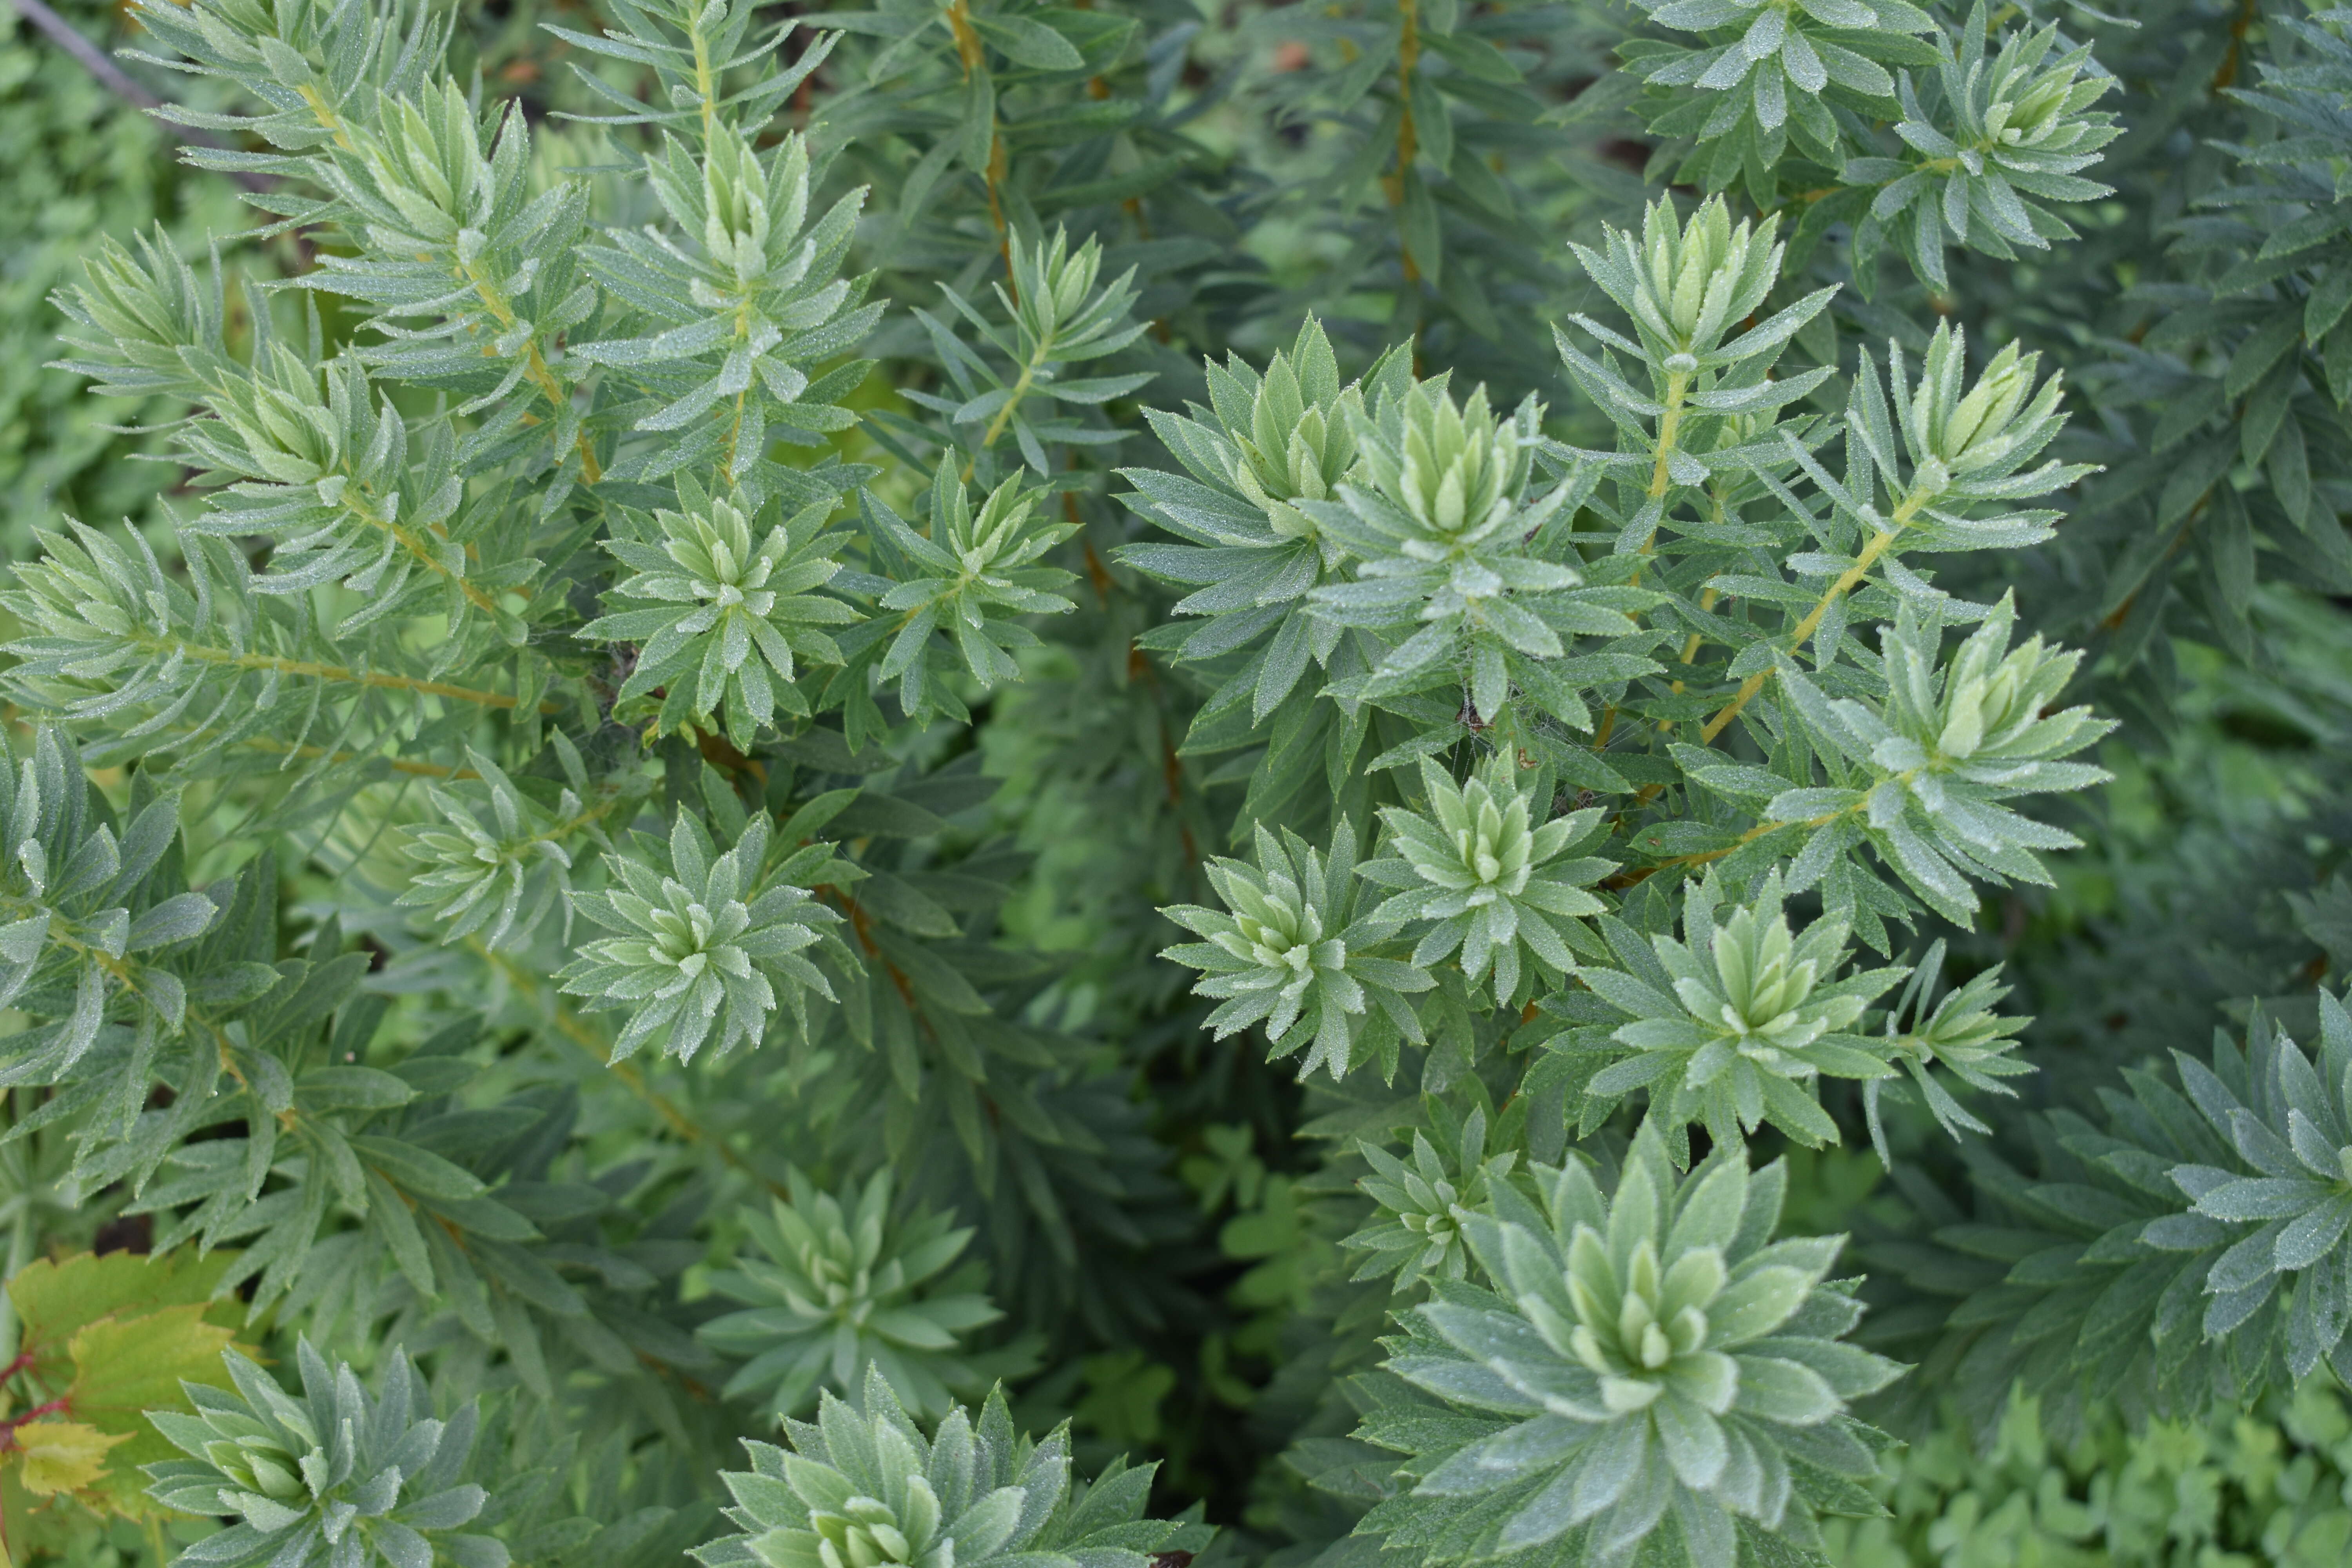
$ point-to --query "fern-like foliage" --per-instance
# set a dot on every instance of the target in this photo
(2184, 1243)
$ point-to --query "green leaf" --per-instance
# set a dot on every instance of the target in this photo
(62, 1456)
(1030, 43)
(124, 1367)
(56, 1299)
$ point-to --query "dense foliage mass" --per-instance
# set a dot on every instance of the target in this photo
(1532, 785)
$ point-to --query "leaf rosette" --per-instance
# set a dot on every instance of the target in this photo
(1424, 1200)
(1735, 1023)
(1493, 883)
(1650, 1367)
(336, 1479)
(708, 940)
(862, 1487)
(837, 1286)
(724, 621)
(1297, 953)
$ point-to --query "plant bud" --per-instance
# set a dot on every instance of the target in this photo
(979, 541)
(2030, 110)
(736, 222)
(425, 160)
(1955, 436)
(1697, 280)
(1051, 282)
(1294, 450)
(715, 549)
(1985, 412)
(291, 435)
(1455, 470)
(1764, 983)
(1074, 279)
(1984, 706)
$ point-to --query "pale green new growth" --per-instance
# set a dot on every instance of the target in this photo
(846, 1284)
(1417, 1229)
(1491, 885)
(1735, 1023)
(862, 1487)
(1655, 1370)
(708, 940)
(1300, 954)
(336, 1479)
(747, 613)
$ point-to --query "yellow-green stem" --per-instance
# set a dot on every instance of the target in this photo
(496, 302)
(1753, 834)
(376, 679)
(1847, 579)
(535, 367)
(576, 1031)
(1670, 426)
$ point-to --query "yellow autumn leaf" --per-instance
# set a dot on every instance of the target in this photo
(63, 1456)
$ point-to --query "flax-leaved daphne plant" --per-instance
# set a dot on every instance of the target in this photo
(2285, 1198)
(778, 661)
(1251, 558)
(1488, 883)
(1441, 517)
(708, 939)
(728, 617)
(1735, 1024)
(1424, 1200)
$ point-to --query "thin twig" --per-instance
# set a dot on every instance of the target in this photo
(64, 35)
(118, 81)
